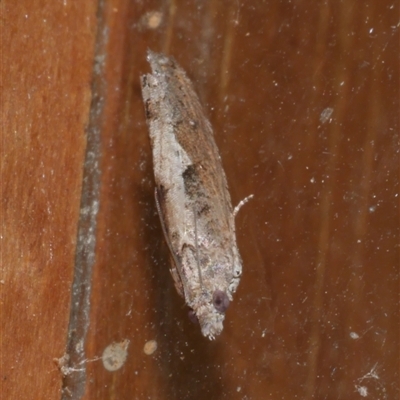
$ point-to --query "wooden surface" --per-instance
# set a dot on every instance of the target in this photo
(304, 102)
(46, 69)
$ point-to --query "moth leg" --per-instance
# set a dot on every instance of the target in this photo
(177, 271)
(241, 204)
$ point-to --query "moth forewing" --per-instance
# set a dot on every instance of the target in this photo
(175, 268)
(192, 195)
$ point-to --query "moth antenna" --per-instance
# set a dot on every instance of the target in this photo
(197, 248)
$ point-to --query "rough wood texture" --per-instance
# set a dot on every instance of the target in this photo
(304, 103)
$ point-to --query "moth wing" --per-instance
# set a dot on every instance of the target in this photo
(175, 268)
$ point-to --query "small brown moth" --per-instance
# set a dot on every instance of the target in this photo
(192, 195)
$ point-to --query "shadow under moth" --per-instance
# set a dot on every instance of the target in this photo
(191, 194)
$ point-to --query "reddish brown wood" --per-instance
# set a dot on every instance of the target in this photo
(47, 56)
(316, 314)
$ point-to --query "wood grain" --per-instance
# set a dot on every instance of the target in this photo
(304, 103)
(47, 55)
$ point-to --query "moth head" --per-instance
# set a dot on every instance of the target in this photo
(211, 314)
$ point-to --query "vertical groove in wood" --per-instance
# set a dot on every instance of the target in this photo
(74, 381)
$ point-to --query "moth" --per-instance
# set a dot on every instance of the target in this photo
(192, 196)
